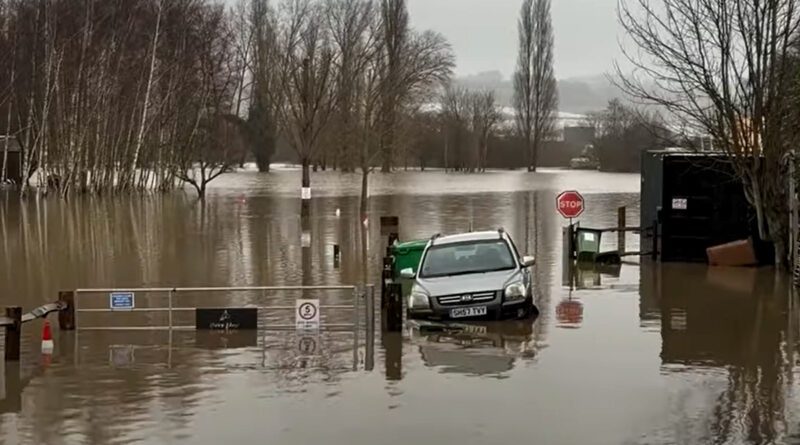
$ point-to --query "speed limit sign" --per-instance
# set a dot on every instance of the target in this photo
(306, 314)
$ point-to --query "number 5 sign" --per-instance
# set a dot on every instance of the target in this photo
(306, 314)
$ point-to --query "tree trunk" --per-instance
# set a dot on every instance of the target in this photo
(6, 141)
(262, 160)
(534, 147)
(148, 89)
(446, 150)
(364, 190)
(388, 143)
(306, 164)
(772, 220)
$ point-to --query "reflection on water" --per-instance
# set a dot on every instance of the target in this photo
(481, 349)
(649, 353)
(740, 323)
(569, 313)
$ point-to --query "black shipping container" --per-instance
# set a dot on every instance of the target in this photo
(698, 201)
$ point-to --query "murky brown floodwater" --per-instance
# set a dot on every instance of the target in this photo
(646, 354)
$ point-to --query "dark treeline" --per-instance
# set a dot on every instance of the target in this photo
(117, 94)
(120, 95)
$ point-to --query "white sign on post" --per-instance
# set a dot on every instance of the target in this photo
(121, 301)
(305, 193)
(680, 203)
(307, 314)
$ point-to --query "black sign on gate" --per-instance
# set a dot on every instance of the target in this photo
(229, 319)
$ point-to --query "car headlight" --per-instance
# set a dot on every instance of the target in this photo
(516, 291)
(418, 300)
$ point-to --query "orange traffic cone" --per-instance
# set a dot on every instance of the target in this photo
(47, 339)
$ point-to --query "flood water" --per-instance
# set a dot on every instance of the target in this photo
(641, 354)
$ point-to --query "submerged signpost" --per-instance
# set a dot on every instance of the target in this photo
(307, 314)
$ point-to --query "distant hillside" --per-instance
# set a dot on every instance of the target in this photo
(576, 95)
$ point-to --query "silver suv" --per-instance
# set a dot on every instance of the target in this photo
(471, 275)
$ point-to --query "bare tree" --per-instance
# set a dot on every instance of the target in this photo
(381, 69)
(121, 96)
(215, 142)
(8, 49)
(147, 92)
(412, 64)
(622, 132)
(104, 94)
(356, 27)
(485, 117)
(722, 67)
(535, 93)
(468, 118)
(352, 27)
(396, 31)
(265, 97)
(456, 109)
(305, 80)
(368, 97)
(243, 15)
(214, 149)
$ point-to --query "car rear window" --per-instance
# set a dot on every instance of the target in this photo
(466, 258)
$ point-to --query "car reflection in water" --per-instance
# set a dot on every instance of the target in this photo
(481, 349)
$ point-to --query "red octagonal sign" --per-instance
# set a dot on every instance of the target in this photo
(569, 204)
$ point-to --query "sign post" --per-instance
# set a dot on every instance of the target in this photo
(307, 314)
(570, 205)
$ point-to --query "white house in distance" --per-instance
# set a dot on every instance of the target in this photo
(507, 124)
(563, 120)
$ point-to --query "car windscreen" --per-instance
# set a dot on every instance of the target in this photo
(466, 258)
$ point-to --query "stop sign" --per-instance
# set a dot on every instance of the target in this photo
(569, 204)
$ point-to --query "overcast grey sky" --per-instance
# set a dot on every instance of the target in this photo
(484, 33)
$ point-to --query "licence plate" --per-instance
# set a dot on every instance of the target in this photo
(468, 312)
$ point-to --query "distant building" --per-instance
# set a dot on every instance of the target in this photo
(12, 151)
(563, 122)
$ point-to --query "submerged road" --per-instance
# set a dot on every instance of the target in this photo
(641, 354)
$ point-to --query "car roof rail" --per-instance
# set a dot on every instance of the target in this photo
(438, 235)
(501, 231)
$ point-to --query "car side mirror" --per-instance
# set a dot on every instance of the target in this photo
(528, 261)
(408, 273)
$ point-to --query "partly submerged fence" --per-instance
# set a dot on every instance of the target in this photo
(123, 301)
(173, 294)
(14, 319)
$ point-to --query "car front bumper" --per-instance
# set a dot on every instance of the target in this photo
(494, 311)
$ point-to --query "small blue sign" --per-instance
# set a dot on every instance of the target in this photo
(121, 301)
